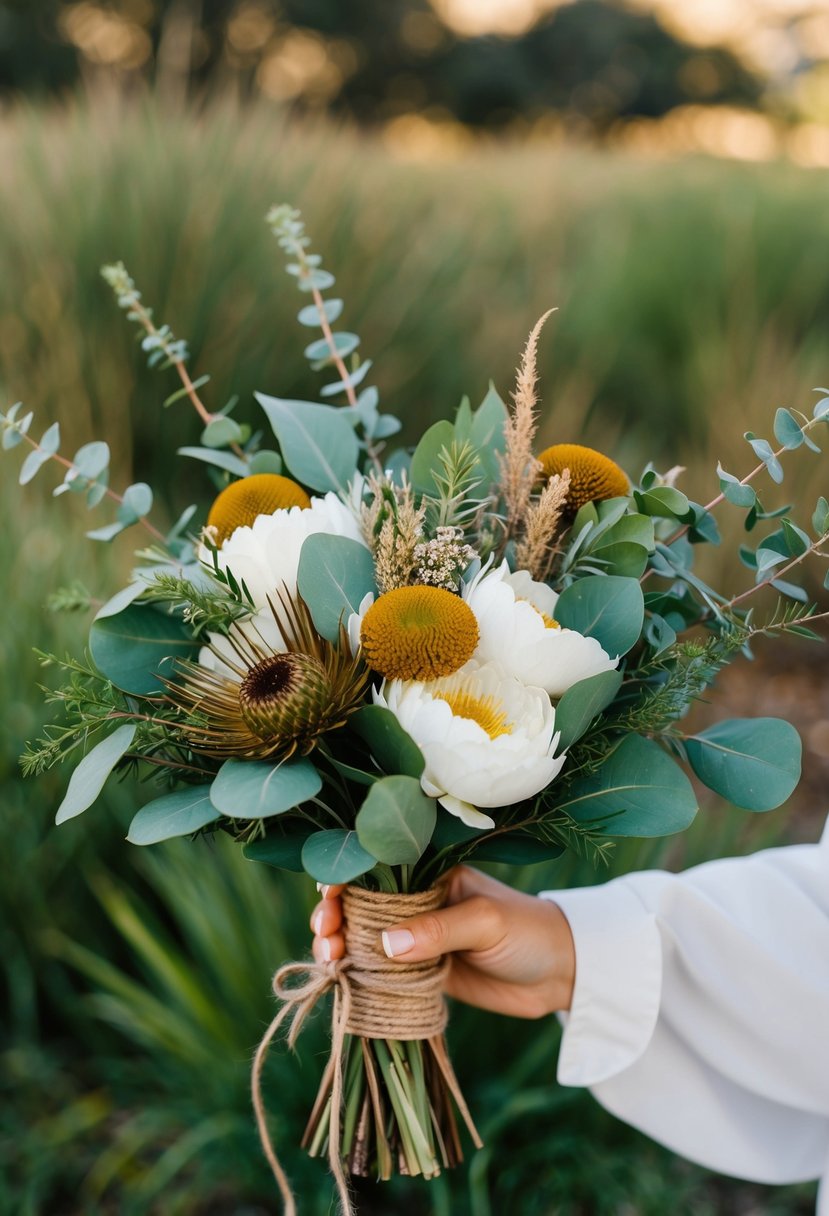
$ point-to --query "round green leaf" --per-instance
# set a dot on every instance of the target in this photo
(638, 791)
(265, 462)
(392, 747)
(582, 703)
(250, 789)
(753, 762)
(178, 814)
(318, 445)
(333, 576)
(335, 856)
(283, 851)
(396, 821)
(138, 646)
(606, 607)
(90, 776)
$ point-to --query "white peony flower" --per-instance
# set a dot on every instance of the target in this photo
(487, 739)
(518, 629)
(261, 629)
(265, 556)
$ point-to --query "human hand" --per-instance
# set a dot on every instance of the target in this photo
(509, 952)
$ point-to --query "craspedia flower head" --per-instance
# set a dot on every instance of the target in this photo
(418, 633)
(593, 476)
(285, 696)
(243, 501)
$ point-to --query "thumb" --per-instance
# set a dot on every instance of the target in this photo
(472, 924)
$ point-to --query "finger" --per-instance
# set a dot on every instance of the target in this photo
(327, 917)
(473, 924)
(326, 949)
(330, 891)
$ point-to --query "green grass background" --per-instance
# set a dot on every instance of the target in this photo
(693, 299)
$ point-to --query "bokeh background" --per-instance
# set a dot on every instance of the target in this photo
(658, 171)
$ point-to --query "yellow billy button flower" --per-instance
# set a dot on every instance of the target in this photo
(593, 476)
(245, 500)
(418, 633)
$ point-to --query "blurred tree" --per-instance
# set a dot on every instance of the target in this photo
(592, 60)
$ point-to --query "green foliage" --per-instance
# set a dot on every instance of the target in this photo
(181, 813)
(333, 576)
(136, 648)
(396, 821)
(637, 790)
(336, 855)
(317, 442)
(753, 762)
(582, 703)
(608, 608)
(390, 745)
(252, 790)
(90, 776)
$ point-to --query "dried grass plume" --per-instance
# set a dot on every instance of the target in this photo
(519, 467)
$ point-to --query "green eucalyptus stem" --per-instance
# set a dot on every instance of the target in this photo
(113, 494)
(778, 574)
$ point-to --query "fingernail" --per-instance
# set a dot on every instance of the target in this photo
(317, 926)
(323, 889)
(397, 941)
(319, 886)
(325, 946)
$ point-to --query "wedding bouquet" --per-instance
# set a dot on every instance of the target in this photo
(371, 663)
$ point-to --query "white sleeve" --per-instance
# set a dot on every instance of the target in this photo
(700, 1012)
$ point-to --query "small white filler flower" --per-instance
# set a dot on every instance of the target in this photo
(518, 629)
(487, 739)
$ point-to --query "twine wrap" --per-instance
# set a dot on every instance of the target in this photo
(391, 1000)
(374, 997)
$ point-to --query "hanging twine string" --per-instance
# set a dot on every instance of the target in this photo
(374, 997)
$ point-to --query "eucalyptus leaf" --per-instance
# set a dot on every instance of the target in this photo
(515, 849)
(820, 518)
(333, 576)
(392, 747)
(425, 461)
(91, 459)
(637, 791)
(265, 462)
(318, 445)
(344, 344)
(138, 502)
(396, 821)
(787, 430)
(31, 465)
(135, 648)
(222, 460)
(663, 501)
(606, 607)
(178, 814)
(310, 315)
(753, 762)
(582, 703)
(250, 789)
(91, 774)
(335, 856)
(354, 380)
(281, 850)
(221, 433)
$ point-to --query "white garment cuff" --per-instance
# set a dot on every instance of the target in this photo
(618, 981)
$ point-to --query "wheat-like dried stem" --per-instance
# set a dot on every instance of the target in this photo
(519, 467)
(536, 549)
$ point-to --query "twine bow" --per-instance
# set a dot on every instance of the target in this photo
(375, 998)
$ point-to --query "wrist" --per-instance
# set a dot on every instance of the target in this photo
(562, 976)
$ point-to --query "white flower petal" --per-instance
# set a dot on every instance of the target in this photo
(466, 812)
(510, 610)
(265, 555)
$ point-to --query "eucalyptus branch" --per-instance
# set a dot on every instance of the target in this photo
(749, 477)
(163, 339)
(70, 466)
(778, 574)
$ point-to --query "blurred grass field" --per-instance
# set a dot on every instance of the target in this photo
(693, 298)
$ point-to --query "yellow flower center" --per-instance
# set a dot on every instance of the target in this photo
(593, 476)
(486, 711)
(242, 501)
(418, 633)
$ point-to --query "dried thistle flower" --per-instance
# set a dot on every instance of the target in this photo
(440, 562)
(536, 549)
